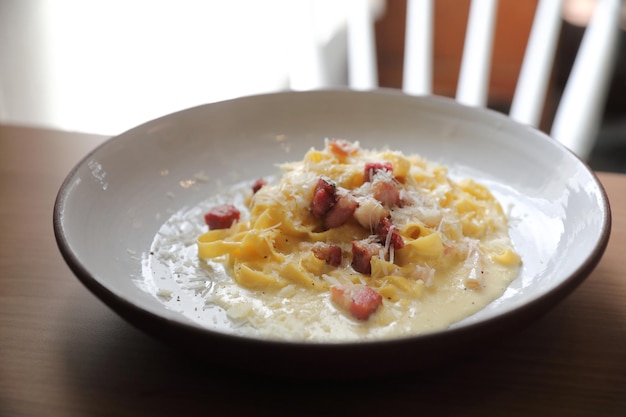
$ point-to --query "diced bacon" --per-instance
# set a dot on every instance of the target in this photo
(258, 184)
(342, 148)
(386, 192)
(341, 211)
(362, 253)
(388, 232)
(371, 168)
(358, 300)
(222, 216)
(329, 253)
(323, 197)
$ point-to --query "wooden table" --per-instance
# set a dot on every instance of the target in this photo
(63, 353)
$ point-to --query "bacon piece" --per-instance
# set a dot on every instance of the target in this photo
(387, 230)
(362, 253)
(342, 148)
(371, 168)
(358, 300)
(323, 197)
(341, 211)
(222, 216)
(386, 192)
(329, 253)
(258, 184)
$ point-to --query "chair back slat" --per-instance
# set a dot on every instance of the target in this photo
(579, 113)
(417, 73)
(307, 65)
(362, 67)
(532, 84)
(476, 60)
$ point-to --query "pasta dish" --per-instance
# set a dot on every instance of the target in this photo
(350, 242)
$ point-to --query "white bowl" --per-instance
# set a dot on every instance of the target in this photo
(114, 201)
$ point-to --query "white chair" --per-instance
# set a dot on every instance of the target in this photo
(579, 112)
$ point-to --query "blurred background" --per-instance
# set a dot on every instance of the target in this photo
(104, 66)
(513, 23)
